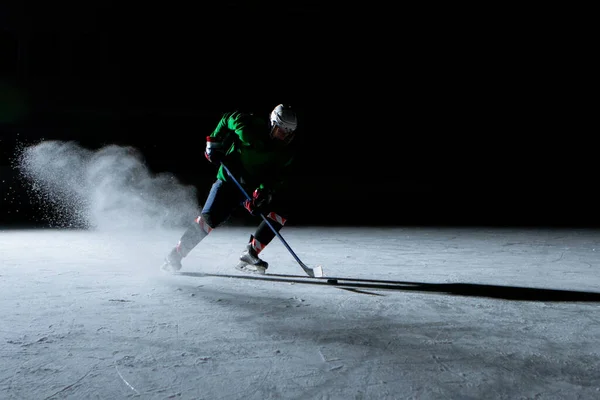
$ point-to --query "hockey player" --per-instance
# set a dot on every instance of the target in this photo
(259, 153)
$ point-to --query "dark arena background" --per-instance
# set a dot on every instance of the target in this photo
(418, 121)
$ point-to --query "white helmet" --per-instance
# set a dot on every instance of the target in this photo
(284, 117)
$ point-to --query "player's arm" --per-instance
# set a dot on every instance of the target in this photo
(219, 142)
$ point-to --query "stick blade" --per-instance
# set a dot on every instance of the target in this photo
(317, 272)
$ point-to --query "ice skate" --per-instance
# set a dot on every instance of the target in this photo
(172, 261)
(250, 262)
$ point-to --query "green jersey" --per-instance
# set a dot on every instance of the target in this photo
(253, 157)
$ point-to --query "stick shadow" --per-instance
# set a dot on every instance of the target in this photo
(458, 289)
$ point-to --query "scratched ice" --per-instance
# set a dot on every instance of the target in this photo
(454, 313)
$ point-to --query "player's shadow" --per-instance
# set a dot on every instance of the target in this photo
(459, 289)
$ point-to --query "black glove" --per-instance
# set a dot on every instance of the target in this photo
(259, 201)
(215, 150)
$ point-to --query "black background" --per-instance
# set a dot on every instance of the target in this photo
(408, 116)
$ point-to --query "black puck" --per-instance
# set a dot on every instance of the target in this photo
(334, 281)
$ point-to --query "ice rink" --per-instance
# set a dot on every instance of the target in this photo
(418, 313)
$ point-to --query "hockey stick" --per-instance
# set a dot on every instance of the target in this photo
(316, 272)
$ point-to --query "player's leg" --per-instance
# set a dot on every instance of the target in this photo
(249, 259)
(220, 202)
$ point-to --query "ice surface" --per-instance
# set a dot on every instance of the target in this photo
(462, 314)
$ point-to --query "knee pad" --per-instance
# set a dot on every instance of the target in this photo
(276, 218)
(207, 221)
(203, 224)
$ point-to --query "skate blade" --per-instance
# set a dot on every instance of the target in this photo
(168, 268)
(249, 270)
